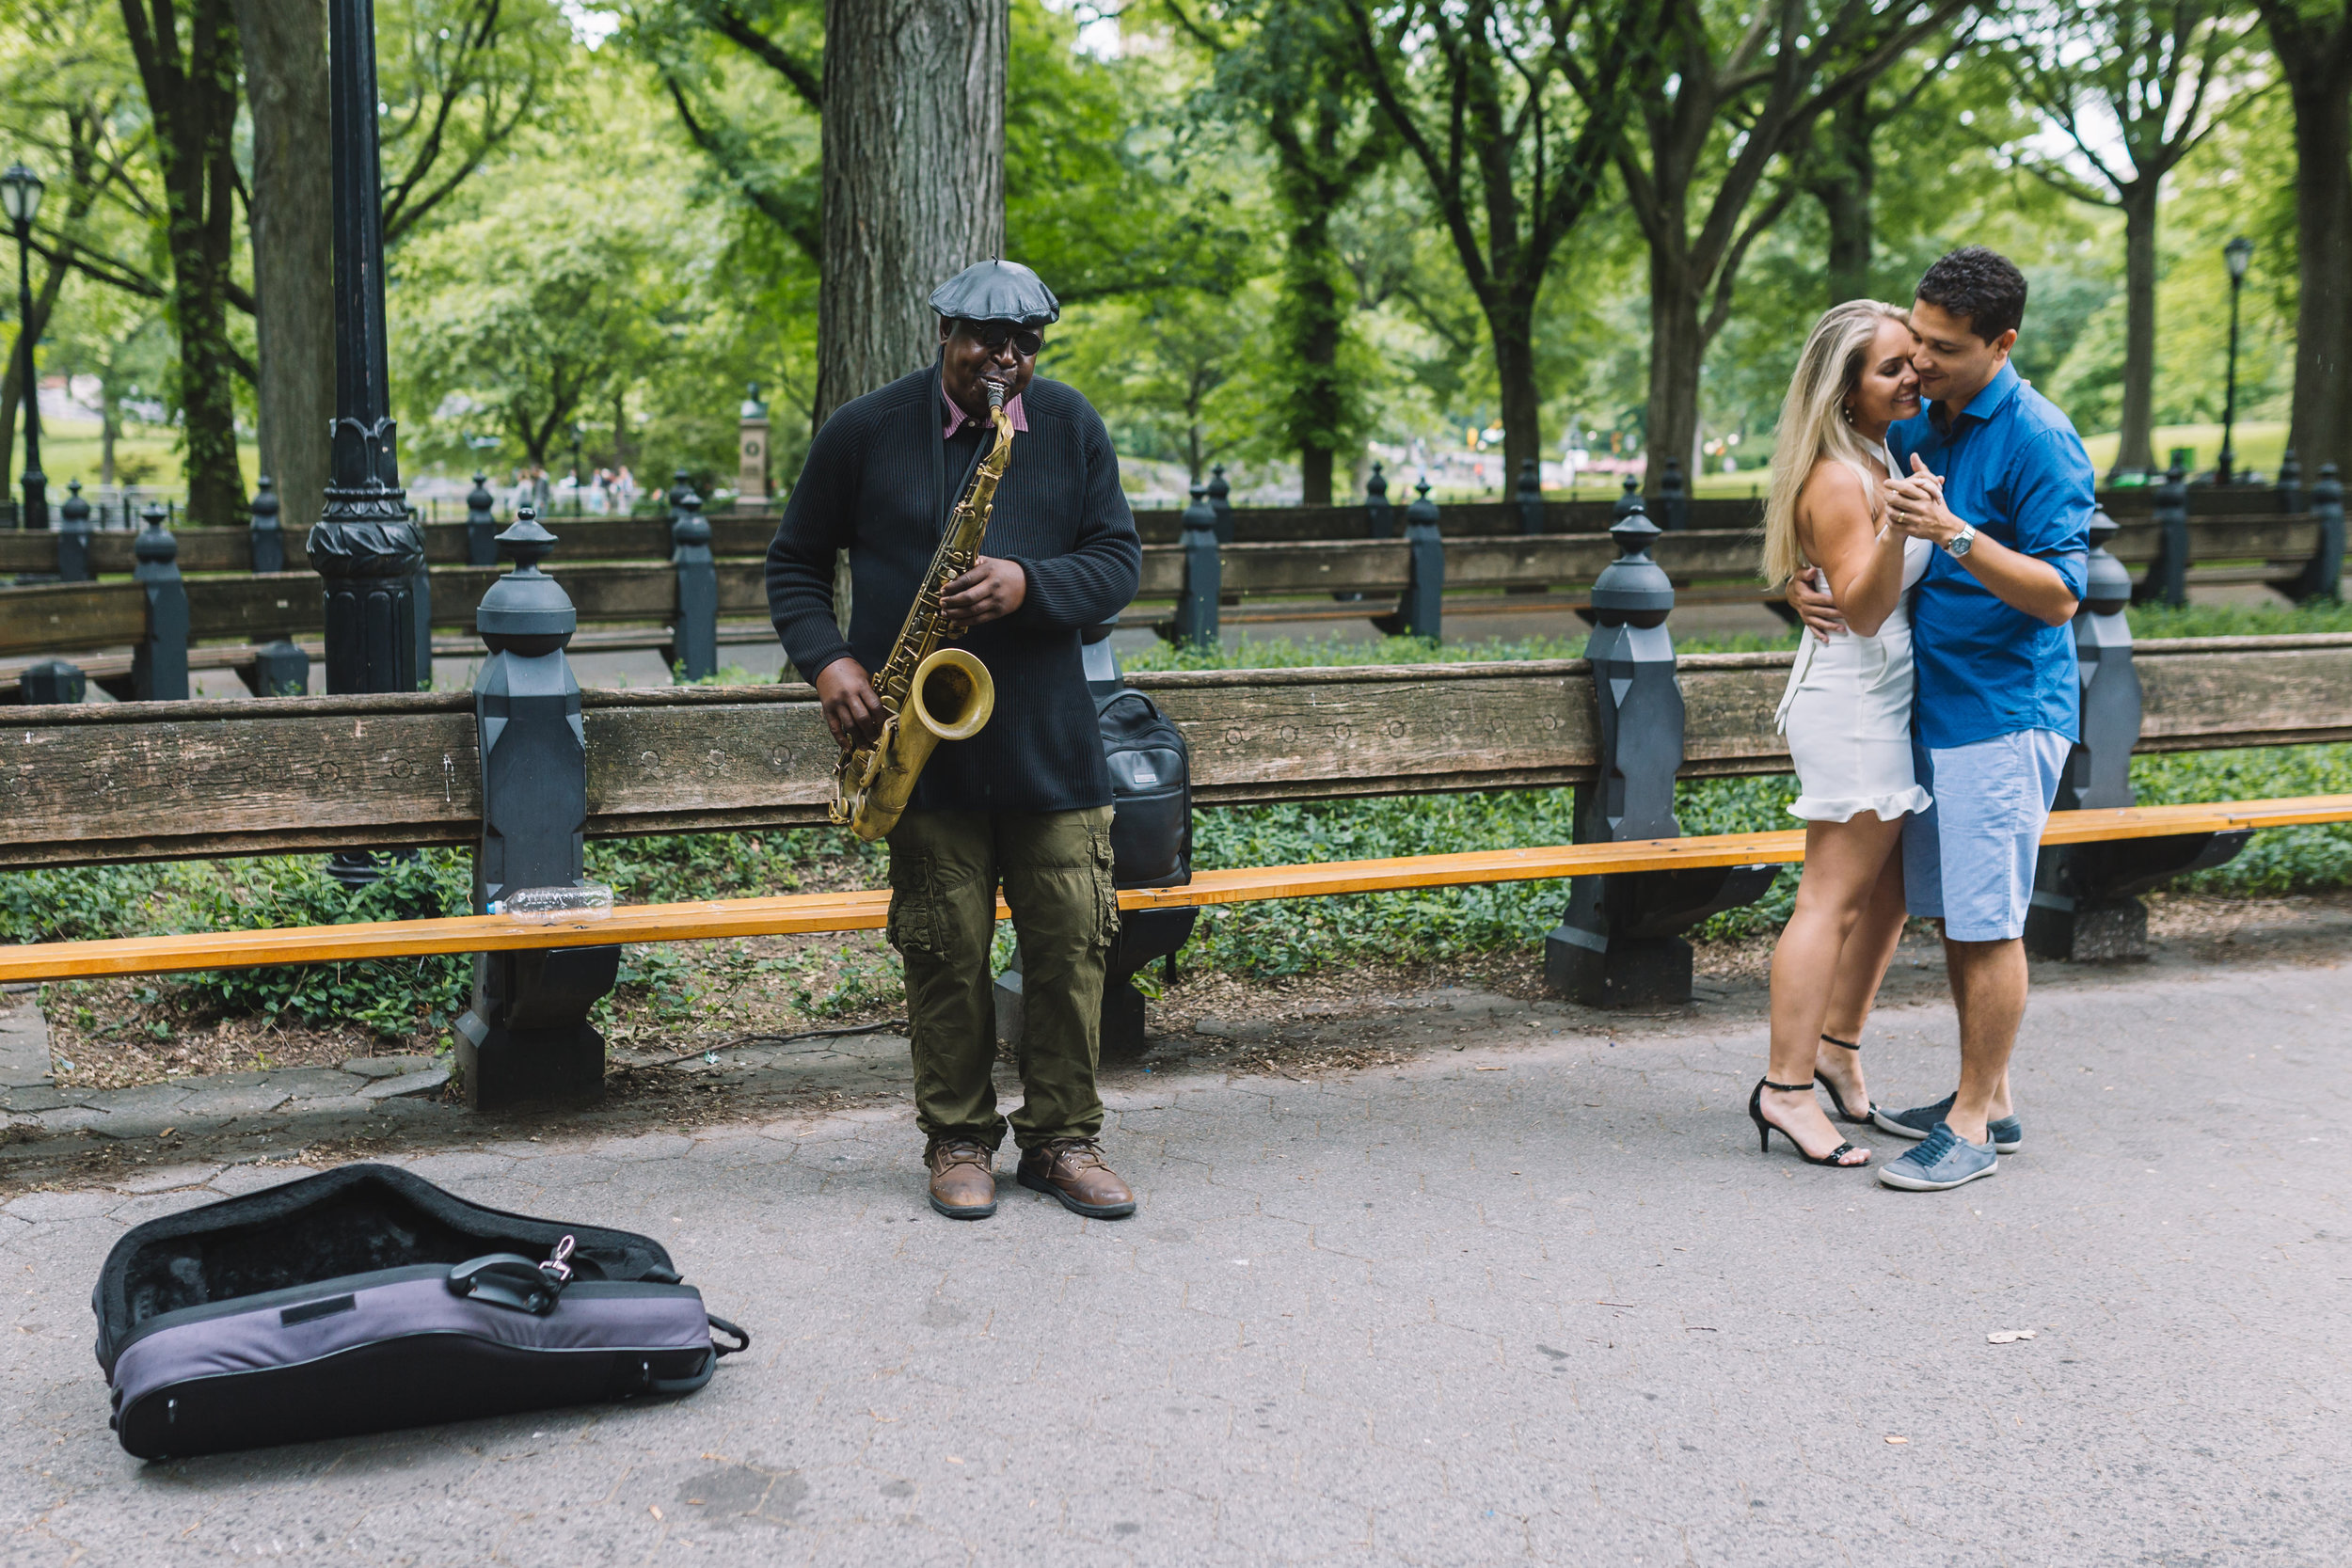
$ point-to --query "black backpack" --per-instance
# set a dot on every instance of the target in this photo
(1151, 769)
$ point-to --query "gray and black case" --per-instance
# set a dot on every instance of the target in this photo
(365, 1299)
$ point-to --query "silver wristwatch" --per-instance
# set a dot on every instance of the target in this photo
(1962, 543)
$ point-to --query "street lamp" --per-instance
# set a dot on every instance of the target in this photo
(19, 195)
(369, 555)
(2235, 256)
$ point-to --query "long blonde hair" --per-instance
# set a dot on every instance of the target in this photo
(1813, 421)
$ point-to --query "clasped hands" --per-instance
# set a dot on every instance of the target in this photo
(1915, 509)
(990, 591)
(1915, 506)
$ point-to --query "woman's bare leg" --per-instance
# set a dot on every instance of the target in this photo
(1843, 862)
(1861, 970)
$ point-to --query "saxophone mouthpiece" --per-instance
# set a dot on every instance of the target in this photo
(995, 396)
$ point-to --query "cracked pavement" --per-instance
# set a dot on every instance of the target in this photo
(1532, 1298)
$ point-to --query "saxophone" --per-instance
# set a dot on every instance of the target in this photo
(928, 693)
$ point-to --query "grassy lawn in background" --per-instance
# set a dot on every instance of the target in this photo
(146, 455)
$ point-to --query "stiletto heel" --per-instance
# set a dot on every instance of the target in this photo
(1764, 1129)
(1838, 1099)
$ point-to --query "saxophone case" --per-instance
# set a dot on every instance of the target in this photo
(367, 1298)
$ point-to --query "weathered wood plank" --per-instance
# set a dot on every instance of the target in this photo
(1380, 566)
(2272, 538)
(71, 615)
(1467, 520)
(177, 779)
(172, 779)
(1380, 730)
(2203, 693)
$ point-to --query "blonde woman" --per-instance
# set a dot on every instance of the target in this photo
(1847, 714)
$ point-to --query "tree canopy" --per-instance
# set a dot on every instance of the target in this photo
(1288, 237)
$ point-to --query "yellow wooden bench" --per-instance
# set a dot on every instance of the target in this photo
(798, 913)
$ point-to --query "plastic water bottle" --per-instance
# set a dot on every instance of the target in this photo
(549, 905)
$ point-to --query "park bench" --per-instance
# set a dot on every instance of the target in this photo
(706, 595)
(103, 783)
(794, 915)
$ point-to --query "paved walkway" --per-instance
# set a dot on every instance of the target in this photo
(1536, 1298)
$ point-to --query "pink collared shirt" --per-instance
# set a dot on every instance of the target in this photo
(958, 418)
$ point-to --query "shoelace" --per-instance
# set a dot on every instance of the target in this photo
(960, 1154)
(1079, 1152)
(1939, 1143)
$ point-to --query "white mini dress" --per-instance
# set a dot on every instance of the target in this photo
(1846, 713)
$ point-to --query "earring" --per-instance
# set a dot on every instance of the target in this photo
(1846, 409)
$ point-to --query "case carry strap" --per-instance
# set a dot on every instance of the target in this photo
(743, 1340)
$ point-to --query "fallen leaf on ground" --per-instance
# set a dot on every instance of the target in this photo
(655, 1510)
(1893, 1439)
(1490, 1069)
(2008, 1335)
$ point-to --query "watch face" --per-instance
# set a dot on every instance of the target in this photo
(1961, 542)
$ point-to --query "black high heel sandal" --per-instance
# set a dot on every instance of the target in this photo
(1838, 1099)
(1764, 1129)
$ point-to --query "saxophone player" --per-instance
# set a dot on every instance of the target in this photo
(1024, 803)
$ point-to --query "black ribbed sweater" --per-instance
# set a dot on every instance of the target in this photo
(869, 486)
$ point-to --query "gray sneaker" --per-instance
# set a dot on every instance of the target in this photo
(2007, 1132)
(1944, 1159)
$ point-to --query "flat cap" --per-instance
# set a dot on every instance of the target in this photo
(997, 291)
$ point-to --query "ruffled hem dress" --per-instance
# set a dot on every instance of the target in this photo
(1847, 714)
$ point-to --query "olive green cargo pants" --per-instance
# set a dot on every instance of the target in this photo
(1056, 870)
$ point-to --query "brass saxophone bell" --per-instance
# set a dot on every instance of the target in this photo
(951, 698)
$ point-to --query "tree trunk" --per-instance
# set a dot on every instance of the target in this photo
(1512, 323)
(1316, 315)
(1845, 194)
(2321, 427)
(914, 178)
(1677, 348)
(193, 101)
(2134, 448)
(284, 45)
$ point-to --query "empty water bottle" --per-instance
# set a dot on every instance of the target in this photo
(548, 906)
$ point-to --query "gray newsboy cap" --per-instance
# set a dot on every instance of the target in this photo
(997, 291)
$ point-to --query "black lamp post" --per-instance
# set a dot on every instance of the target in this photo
(2236, 255)
(19, 192)
(364, 546)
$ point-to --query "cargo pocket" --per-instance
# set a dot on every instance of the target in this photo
(1106, 890)
(914, 925)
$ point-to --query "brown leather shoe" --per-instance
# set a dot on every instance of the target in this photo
(962, 1186)
(1072, 1170)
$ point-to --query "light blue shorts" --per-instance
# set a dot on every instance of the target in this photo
(1969, 858)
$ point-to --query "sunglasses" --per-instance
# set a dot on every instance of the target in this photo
(994, 336)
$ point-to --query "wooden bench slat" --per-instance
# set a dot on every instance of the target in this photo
(801, 913)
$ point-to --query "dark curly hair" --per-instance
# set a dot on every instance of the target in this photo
(1982, 285)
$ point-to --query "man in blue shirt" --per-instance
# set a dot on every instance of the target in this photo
(1999, 481)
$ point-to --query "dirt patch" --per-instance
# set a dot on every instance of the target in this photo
(114, 1034)
(693, 997)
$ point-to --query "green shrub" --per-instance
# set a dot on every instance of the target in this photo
(392, 996)
(2277, 860)
(81, 903)
(2271, 620)
(671, 868)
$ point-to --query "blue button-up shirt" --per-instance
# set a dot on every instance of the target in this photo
(2012, 465)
